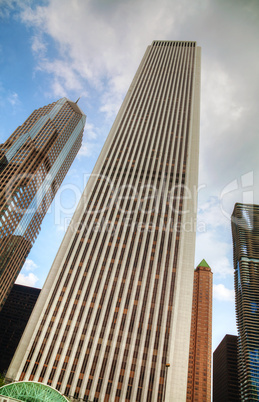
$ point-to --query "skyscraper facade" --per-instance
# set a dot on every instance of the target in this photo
(33, 162)
(245, 230)
(199, 371)
(115, 310)
(225, 373)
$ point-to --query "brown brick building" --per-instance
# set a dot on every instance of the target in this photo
(199, 371)
(33, 163)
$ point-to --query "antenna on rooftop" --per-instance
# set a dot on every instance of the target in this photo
(78, 99)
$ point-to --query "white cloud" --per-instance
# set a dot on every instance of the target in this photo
(221, 293)
(90, 131)
(29, 265)
(216, 251)
(7, 6)
(215, 243)
(98, 45)
(13, 99)
(91, 141)
(210, 213)
(219, 97)
(27, 280)
(38, 45)
(89, 149)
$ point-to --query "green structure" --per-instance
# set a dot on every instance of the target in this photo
(203, 264)
(30, 391)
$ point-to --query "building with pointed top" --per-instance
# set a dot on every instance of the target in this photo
(199, 371)
(33, 163)
(112, 322)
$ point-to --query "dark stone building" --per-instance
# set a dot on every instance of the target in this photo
(225, 374)
(13, 319)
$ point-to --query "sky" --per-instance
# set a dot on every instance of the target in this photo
(91, 49)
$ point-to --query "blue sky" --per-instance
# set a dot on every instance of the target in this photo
(92, 48)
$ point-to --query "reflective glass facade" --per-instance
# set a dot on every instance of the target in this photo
(33, 162)
(245, 231)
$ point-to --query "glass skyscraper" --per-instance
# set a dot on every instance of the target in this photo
(245, 231)
(113, 318)
(33, 162)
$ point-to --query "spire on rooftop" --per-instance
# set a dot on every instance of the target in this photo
(203, 264)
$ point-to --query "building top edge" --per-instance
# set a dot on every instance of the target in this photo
(173, 43)
(74, 106)
(203, 264)
(26, 287)
(224, 339)
(245, 206)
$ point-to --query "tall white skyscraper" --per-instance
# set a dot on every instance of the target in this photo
(115, 310)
